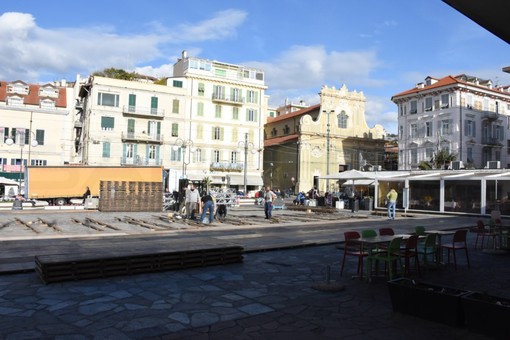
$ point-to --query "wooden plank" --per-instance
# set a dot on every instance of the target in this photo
(62, 267)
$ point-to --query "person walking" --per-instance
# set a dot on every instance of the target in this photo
(207, 206)
(392, 204)
(192, 201)
(269, 197)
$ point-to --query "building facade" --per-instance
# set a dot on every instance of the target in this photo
(463, 115)
(304, 145)
(205, 121)
(36, 125)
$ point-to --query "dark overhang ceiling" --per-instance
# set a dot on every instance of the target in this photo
(493, 15)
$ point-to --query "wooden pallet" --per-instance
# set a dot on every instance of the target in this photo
(67, 267)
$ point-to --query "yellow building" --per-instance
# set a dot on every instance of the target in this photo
(332, 136)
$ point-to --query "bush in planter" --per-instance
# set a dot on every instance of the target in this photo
(427, 301)
(487, 314)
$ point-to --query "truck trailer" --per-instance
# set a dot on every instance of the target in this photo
(58, 185)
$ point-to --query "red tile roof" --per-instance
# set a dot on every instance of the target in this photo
(446, 81)
(33, 98)
(280, 140)
(293, 114)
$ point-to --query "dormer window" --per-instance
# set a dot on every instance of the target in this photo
(48, 91)
(18, 88)
(15, 101)
(47, 104)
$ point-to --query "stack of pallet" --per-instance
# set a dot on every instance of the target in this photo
(130, 196)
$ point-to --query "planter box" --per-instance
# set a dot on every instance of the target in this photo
(431, 302)
(489, 315)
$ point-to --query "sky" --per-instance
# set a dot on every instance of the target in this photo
(380, 48)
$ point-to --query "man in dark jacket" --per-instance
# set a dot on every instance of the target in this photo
(207, 205)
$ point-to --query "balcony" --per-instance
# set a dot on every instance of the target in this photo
(143, 112)
(489, 115)
(491, 141)
(227, 100)
(142, 137)
(139, 161)
(225, 166)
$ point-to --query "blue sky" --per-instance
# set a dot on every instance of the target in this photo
(378, 47)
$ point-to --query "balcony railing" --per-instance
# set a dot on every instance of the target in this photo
(143, 111)
(491, 141)
(143, 137)
(225, 99)
(225, 166)
(139, 161)
(490, 115)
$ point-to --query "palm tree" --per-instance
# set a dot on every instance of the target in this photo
(206, 182)
(442, 158)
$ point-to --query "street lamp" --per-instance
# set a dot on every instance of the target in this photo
(184, 145)
(328, 147)
(20, 140)
(247, 145)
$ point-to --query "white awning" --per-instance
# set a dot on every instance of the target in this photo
(358, 182)
(250, 180)
(7, 181)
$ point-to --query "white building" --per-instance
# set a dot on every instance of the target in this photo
(464, 115)
(38, 120)
(205, 121)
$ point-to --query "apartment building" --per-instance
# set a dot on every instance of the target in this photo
(36, 125)
(464, 115)
(205, 121)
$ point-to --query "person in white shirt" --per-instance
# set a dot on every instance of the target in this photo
(269, 197)
(192, 201)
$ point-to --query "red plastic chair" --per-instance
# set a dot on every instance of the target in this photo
(353, 249)
(482, 232)
(410, 251)
(386, 231)
(458, 243)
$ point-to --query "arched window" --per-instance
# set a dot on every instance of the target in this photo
(342, 120)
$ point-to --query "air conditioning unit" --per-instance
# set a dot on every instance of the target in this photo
(493, 165)
(457, 165)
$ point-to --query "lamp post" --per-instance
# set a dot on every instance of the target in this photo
(247, 145)
(20, 140)
(328, 147)
(184, 145)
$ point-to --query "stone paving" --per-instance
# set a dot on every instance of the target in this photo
(271, 295)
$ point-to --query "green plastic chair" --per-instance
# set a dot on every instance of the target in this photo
(419, 230)
(389, 257)
(368, 233)
(427, 248)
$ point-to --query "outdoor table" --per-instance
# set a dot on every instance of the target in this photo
(502, 245)
(440, 234)
(371, 243)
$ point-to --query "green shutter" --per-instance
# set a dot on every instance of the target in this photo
(132, 100)
(131, 125)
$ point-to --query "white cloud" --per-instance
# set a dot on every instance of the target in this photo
(222, 25)
(35, 54)
(299, 72)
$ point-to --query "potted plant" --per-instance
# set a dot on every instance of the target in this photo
(487, 314)
(427, 301)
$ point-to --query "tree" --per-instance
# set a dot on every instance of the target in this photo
(116, 73)
(443, 158)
